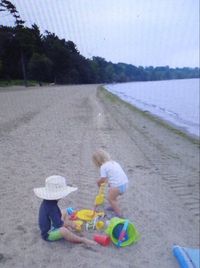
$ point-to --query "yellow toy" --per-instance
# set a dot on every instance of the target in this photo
(99, 225)
(79, 224)
(88, 214)
(99, 200)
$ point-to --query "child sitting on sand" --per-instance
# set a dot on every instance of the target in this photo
(54, 224)
(111, 172)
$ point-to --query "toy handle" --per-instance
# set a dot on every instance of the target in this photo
(102, 188)
(99, 199)
(122, 234)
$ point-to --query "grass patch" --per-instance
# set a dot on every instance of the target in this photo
(8, 83)
(111, 97)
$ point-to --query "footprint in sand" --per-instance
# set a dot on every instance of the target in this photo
(3, 258)
(21, 229)
(141, 167)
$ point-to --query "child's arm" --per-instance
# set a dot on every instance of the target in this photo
(56, 220)
(66, 220)
(101, 180)
(69, 223)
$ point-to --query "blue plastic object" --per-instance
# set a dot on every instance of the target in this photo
(70, 211)
(117, 231)
(187, 257)
(122, 233)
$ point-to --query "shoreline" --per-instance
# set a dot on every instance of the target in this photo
(173, 146)
(166, 123)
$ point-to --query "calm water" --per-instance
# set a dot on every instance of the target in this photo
(175, 101)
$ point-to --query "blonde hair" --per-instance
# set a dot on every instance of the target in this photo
(100, 156)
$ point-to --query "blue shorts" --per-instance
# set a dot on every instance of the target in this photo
(122, 188)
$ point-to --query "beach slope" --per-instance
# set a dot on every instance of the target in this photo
(54, 130)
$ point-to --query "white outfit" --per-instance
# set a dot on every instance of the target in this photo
(114, 173)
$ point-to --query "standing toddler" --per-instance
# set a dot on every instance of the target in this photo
(111, 172)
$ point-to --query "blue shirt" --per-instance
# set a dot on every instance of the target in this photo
(49, 216)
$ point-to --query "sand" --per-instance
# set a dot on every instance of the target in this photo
(54, 130)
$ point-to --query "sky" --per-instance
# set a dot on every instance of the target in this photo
(138, 32)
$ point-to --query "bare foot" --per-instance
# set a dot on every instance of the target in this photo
(89, 242)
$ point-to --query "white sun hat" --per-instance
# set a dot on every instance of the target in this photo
(55, 188)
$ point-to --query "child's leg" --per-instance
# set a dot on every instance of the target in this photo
(112, 198)
(68, 235)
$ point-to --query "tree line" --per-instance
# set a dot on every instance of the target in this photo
(27, 54)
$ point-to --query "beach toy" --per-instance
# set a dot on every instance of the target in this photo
(99, 225)
(72, 213)
(88, 214)
(79, 225)
(128, 237)
(123, 236)
(187, 257)
(89, 225)
(103, 240)
(94, 224)
(99, 199)
(117, 231)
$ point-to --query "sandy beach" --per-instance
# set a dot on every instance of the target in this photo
(54, 130)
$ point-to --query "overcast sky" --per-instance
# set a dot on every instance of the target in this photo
(139, 32)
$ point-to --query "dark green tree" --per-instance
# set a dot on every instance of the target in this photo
(40, 68)
(100, 66)
(9, 53)
(7, 6)
(56, 50)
